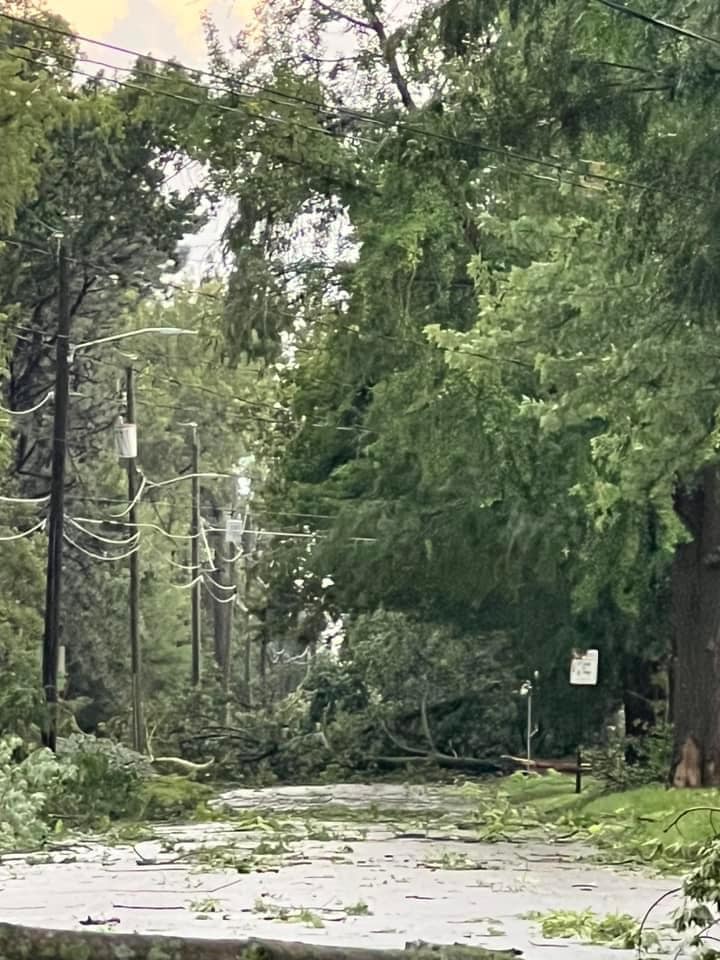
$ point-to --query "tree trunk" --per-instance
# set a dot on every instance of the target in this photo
(696, 636)
(30, 943)
(641, 694)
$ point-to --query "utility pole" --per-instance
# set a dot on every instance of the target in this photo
(134, 596)
(53, 582)
(195, 560)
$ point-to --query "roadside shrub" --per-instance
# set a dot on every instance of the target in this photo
(173, 798)
(651, 753)
(24, 788)
(100, 778)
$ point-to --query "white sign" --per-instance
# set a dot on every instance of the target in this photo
(584, 669)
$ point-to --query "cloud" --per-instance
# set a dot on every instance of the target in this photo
(175, 25)
(91, 16)
(186, 17)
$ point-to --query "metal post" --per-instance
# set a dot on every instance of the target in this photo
(134, 596)
(529, 725)
(195, 560)
(581, 733)
(53, 583)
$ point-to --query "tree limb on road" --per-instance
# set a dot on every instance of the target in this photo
(21, 943)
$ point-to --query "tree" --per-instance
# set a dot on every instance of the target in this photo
(484, 194)
(611, 297)
(468, 326)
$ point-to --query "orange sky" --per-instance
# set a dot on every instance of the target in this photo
(163, 27)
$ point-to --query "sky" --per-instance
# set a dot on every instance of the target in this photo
(164, 28)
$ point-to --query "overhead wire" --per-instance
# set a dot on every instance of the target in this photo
(24, 500)
(217, 599)
(221, 586)
(124, 541)
(98, 556)
(136, 71)
(359, 116)
(189, 476)
(187, 586)
(136, 499)
(25, 533)
(142, 524)
(24, 413)
(657, 22)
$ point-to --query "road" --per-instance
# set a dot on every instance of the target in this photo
(325, 864)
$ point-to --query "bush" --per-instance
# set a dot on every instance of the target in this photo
(173, 798)
(99, 779)
(24, 788)
(651, 755)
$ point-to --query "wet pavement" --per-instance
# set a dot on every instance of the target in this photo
(375, 865)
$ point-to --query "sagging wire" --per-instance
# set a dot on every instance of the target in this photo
(206, 545)
(98, 556)
(221, 586)
(26, 533)
(143, 483)
(187, 566)
(24, 413)
(230, 599)
(187, 586)
(125, 541)
(25, 499)
(188, 476)
(144, 524)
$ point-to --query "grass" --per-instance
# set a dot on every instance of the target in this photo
(638, 825)
(616, 929)
(359, 909)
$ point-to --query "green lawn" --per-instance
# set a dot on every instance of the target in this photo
(633, 826)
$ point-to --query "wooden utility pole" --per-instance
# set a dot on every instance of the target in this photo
(134, 595)
(53, 582)
(195, 561)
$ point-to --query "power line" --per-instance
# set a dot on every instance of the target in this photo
(102, 270)
(24, 500)
(122, 542)
(657, 22)
(138, 72)
(24, 413)
(139, 524)
(26, 533)
(230, 599)
(98, 556)
(288, 99)
(330, 325)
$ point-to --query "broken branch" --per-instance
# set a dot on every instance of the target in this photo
(19, 943)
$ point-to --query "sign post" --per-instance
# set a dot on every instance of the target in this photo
(583, 673)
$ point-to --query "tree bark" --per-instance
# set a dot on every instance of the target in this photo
(696, 636)
(30, 943)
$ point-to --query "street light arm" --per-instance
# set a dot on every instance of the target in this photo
(161, 331)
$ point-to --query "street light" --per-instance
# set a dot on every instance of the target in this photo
(64, 353)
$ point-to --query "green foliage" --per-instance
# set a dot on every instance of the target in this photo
(101, 779)
(21, 585)
(473, 343)
(415, 671)
(173, 798)
(615, 929)
(649, 758)
(25, 787)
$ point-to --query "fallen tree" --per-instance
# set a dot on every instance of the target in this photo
(32, 943)
(542, 766)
